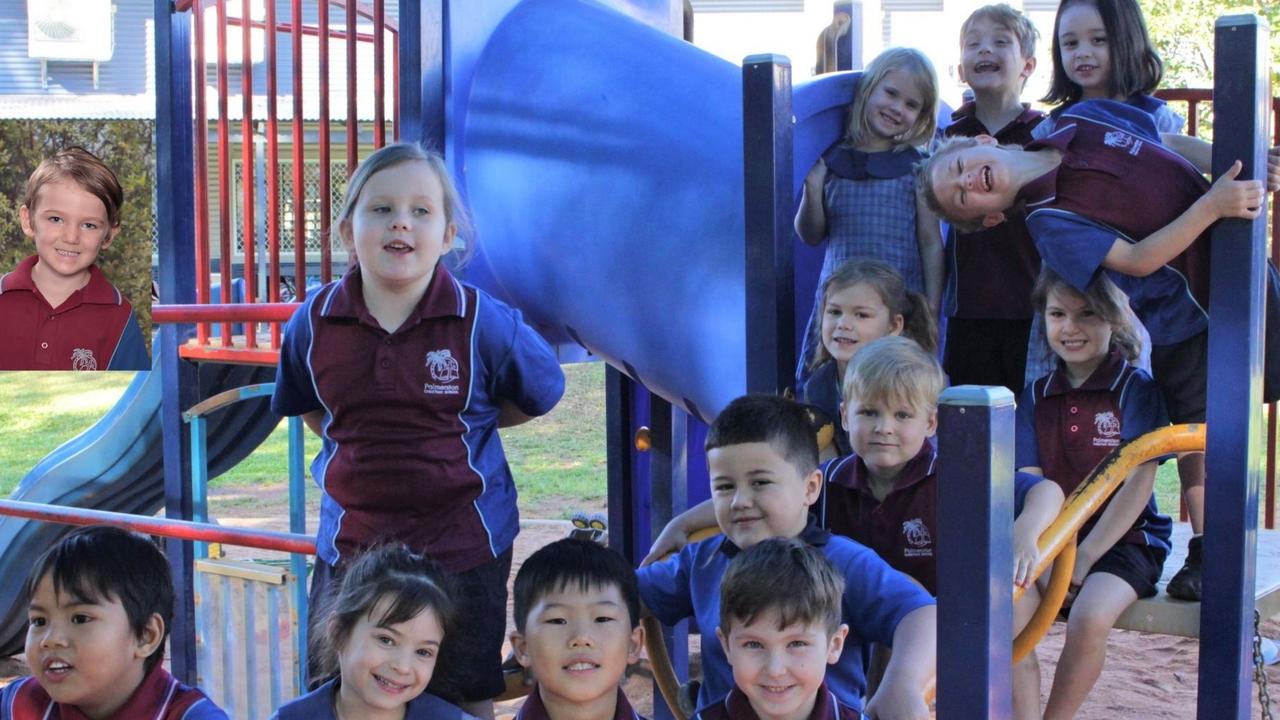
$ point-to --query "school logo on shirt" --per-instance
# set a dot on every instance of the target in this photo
(917, 534)
(1122, 140)
(1107, 428)
(444, 370)
(83, 359)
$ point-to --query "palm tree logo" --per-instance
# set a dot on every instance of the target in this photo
(443, 366)
(82, 359)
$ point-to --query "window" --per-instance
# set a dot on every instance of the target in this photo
(709, 6)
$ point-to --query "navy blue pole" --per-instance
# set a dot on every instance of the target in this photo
(975, 553)
(769, 203)
(422, 72)
(1233, 437)
(620, 450)
(175, 215)
(667, 493)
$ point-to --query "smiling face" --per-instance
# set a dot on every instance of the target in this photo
(385, 667)
(578, 644)
(69, 227)
(780, 670)
(991, 58)
(398, 227)
(892, 109)
(975, 183)
(1076, 333)
(1083, 47)
(887, 432)
(86, 653)
(758, 494)
(852, 317)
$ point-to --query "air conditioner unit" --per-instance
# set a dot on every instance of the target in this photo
(70, 30)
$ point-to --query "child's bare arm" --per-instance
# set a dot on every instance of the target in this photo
(1228, 198)
(811, 218)
(1125, 507)
(1273, 169)
(929, 235)
(1192, 149)
(676, 534)
(314, 420)
(911, 669)
(509, 415)
(1043, 503)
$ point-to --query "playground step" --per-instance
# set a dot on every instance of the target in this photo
(1167, 616)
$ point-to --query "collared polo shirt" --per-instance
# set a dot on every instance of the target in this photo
(410, 447)
(533, 709)
(1067, 431)
(991, 272)
(93, 329)
(1117, 181)
(319, 705)
(902, 527)
(159, 697)
(736, 706)
(876, 598)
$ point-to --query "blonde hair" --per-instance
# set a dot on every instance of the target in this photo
(1103, 298)
(398, 154)
(914, 63)
(894, 368)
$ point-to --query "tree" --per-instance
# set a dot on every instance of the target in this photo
(1182, 31)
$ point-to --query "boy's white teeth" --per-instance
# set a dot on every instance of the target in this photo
(581, 666)
(68, 253)
(986, 177)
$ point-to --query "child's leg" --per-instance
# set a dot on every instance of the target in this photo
(1191, 477)
(470, 672)
(1100, 601)
(1026, 673)
(1180, 371)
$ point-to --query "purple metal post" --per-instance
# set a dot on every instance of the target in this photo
(975, 553)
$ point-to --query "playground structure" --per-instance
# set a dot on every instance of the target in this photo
(612, 180)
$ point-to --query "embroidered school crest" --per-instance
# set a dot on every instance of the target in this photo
(916, 532)
(1123, 141)
(442, 365)
(83, 359)
(1106, 424)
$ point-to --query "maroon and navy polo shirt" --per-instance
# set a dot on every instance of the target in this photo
(899, 528)
(410, 447)
(1117, 181)
(736, 706)
(93, 329)
(1067, 431)
(533, 709)
(159, 697)
(991, 272)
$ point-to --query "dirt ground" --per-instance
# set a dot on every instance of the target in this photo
(1147, 677)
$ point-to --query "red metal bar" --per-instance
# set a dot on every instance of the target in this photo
(248, 199)
(234, 312)
(224, 169)
(264, 357)
(202, 171)
(299, 161)
(273, 170)
(379, 108)
(181, 529)
(326, 269)
(395, 86)
(308, 30)
(353, 121)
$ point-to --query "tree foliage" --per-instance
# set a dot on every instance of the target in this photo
(1182, 31)
(127, 147)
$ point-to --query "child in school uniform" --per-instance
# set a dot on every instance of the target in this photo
(763, 463)
(406, 373)
(1078, 186)
(859, 197)
(59, 311)
(577, 620)
(101, 601)
(990, 272)
(780, 628)
(1068, 421)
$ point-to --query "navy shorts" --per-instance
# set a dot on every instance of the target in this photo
(1180, 370)
(1138, 565)
(467, 671)
(987, 352)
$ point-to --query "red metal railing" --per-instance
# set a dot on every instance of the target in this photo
(1193, 97)
(242, 263)
(181, 529)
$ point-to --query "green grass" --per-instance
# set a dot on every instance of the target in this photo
(558, 460)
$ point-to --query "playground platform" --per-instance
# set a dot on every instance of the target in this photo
(1167, 616)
